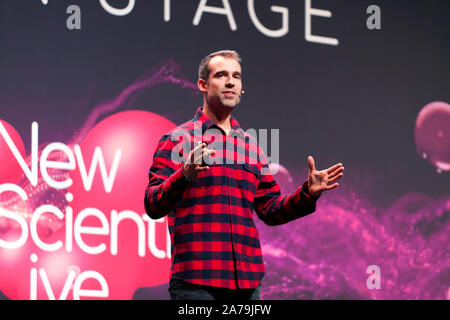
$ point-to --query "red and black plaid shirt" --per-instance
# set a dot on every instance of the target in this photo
(214, 238)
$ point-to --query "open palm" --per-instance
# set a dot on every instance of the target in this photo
(323, 180)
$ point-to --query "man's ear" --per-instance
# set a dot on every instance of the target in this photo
(202, 85)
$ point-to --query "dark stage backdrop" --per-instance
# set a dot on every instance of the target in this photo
(95, 84)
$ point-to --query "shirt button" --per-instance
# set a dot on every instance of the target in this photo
(233, 201)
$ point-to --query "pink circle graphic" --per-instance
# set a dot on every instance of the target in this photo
(432, 134)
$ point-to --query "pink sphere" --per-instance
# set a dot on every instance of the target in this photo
(136, 134)
(432, 134)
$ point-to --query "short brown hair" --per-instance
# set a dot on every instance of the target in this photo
(203, 68)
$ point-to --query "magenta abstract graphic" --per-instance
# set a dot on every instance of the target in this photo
(75, 217)
(73, 221)
(326, 255)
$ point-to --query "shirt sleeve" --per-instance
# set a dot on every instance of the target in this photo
(276, 209)
(166, 181)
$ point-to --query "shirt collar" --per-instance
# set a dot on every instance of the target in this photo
(207, 122)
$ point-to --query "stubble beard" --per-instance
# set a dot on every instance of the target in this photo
(221, 101)
(229, 103)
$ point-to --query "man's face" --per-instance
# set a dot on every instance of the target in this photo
(224, 82)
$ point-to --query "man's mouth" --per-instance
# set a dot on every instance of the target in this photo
(229, 93)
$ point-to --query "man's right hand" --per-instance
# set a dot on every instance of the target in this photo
(194, 160)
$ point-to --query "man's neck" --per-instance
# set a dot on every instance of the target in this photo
(220, 115)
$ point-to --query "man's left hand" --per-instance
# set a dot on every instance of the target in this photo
(320, 181)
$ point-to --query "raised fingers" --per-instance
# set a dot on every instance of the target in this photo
(334, 178)
(195, 152)
(330, 187)
(336, 172)
(311, 164)
(335, 167)
(205, 153)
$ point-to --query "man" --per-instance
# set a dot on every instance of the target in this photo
(215, 246)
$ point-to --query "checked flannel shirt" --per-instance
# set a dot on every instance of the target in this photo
(214, 240)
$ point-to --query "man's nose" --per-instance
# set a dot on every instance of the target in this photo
(229, 83)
